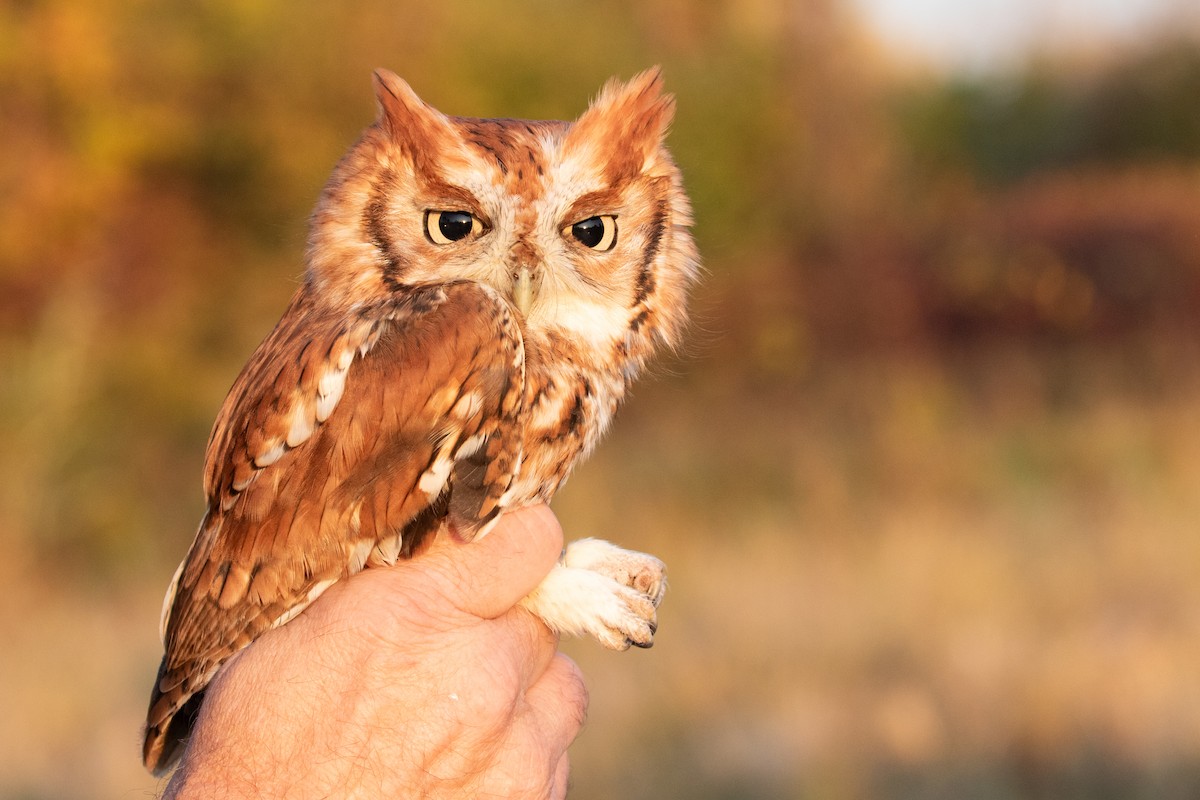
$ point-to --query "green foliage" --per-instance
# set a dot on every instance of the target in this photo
(1143, 107)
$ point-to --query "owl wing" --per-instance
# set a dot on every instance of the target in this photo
(345, 441)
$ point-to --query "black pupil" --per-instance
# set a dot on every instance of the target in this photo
(454, 225)
(589, 232)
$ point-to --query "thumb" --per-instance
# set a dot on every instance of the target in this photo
(490, 575)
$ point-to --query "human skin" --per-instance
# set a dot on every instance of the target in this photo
(424, 679)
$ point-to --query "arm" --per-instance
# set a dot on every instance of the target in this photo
(418, 680)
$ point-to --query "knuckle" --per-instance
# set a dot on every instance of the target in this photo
(575, 691)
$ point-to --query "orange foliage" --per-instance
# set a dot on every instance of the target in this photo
(926, 481)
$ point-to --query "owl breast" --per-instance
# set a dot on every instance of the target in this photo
(569, 408)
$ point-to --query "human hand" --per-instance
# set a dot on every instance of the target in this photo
(419, 680)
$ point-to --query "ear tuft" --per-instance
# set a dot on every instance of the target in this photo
(418, 128)
(626, 123)
(398, 103)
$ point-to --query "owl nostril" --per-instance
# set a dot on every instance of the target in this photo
(524, 290)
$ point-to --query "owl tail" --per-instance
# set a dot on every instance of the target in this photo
(175, 713)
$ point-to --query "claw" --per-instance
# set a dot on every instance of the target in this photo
(605, 591)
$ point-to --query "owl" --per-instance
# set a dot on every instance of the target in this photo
(479, 294)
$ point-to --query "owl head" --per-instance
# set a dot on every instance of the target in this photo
(583, 225)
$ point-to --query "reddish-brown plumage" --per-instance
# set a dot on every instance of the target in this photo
(409, 388)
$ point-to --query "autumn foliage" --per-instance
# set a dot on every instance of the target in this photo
(925, 475)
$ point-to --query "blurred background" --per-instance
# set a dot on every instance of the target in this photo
(927, 475)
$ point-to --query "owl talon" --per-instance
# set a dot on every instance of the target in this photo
(579, 601)
(632, 621)
(643, 573)
(640, 582)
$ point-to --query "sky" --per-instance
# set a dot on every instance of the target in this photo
(975, 35)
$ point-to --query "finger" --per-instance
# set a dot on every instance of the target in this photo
(533, 645)
(489, 576)
(558, 703)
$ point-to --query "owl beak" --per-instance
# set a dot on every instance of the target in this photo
(523, 291)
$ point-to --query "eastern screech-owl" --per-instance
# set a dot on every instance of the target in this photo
(479, 293)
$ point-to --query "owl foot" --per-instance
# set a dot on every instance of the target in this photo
(604, 591)
(639, 571)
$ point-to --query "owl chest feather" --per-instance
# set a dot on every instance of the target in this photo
(569, 407)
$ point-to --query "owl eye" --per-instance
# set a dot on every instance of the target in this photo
(598, 233)
(444, 227)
